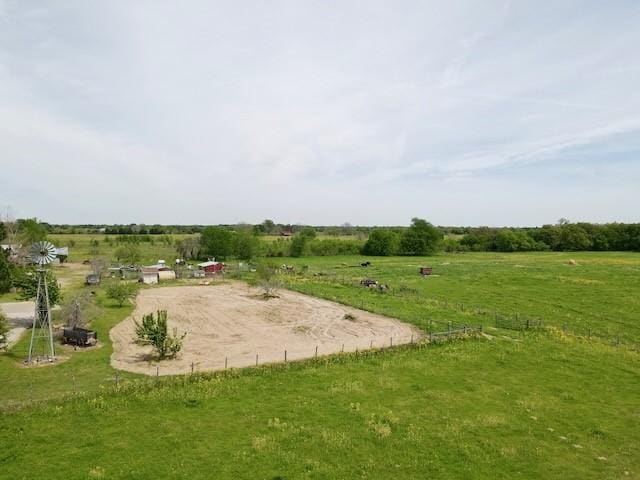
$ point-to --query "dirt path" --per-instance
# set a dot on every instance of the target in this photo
(231, 320)
(20, 316)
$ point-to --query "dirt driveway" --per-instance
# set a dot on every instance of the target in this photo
(232, 321)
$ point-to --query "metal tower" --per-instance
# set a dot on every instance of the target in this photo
(42, 254)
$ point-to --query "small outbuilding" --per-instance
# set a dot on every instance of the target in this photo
(424, 271)
(149, 277)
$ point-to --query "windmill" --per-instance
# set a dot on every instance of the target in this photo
(42, 254)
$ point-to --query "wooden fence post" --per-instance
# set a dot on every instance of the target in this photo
(225, 363)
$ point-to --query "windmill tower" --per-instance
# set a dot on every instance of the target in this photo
(42, 254)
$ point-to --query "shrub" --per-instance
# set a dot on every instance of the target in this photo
(4, 328)
(153, 331)
(121, 292)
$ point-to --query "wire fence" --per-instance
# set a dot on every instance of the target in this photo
(18, 391)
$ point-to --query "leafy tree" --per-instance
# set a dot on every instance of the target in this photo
(153, 331)
(268, 279)
(298, 242)
(573, 237)
(6, 280)
(3, 231)
(308, 232)
(421, 238)
(121, 291)
(382, 242)
(268, 226)
(26, 281)
(216, 242)
(129, 253)
(245, 245)
(30, 231)
(189, 248)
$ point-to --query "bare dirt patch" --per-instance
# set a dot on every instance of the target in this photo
(232, 321)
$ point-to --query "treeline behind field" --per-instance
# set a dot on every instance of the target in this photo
(561, 237)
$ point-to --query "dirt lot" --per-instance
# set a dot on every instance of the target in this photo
(231, 320)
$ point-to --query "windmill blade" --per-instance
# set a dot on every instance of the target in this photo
(43, 253)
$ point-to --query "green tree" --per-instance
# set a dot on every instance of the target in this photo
(245, 245)
(30, 231)
(153, 331)
(382, 242)
(129, 254)
(3, 231)
(268, 279)
(421, 238)
(6, 280)
(26, 281)
(268, 226)
(573, 237)
(216, 242)
(121, 291)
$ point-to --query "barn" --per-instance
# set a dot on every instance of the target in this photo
(211, 267)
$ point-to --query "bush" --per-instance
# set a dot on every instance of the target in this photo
(382, 242)
(421, 238)
(4, 328)
(153, 331)
(268, 279)
(121, 291)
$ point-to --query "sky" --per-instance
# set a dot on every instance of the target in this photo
(320, 112)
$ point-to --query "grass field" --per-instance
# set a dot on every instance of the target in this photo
(532, 404)
(601, 292)
(542, 407)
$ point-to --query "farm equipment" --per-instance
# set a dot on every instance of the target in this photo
(79, 336)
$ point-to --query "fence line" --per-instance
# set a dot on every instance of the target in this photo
(71, 384)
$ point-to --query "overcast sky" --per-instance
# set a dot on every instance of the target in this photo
(460, 112)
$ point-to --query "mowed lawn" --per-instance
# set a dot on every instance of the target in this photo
(536, 407)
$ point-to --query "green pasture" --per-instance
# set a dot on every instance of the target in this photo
(599, 293)
(537, 407)
(81, 248)
(548, 403)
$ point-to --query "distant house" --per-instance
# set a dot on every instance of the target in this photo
(286, 233)
(211, 267)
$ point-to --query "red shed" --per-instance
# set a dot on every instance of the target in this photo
(211, 267)
(424, 271)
